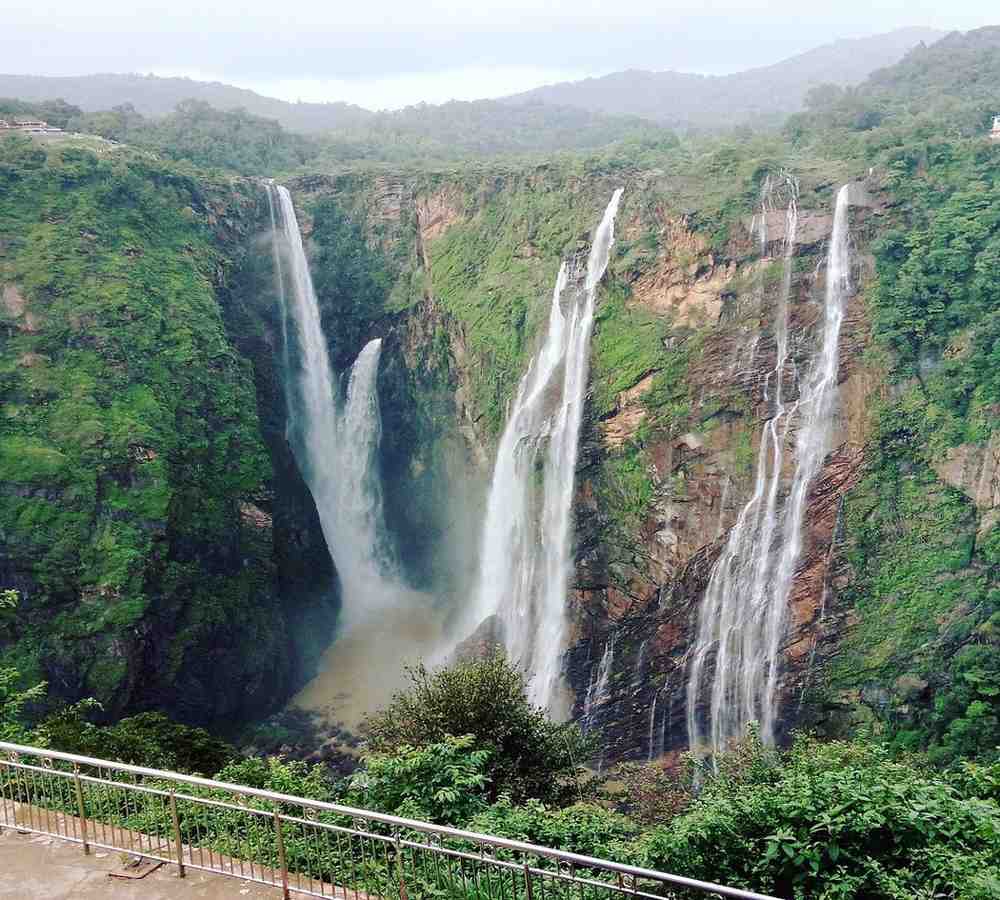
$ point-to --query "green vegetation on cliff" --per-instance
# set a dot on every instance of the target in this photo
(920, 540)
(128, 438)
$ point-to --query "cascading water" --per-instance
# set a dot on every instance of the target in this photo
(735, 659)
(597, 693)
(525, 559)
(335, 448)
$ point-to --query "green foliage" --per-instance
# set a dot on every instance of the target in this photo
(298, 779)
(213, 138)
(836, 820)
(485, 699)
(444, 783)
(129, 430)
(13, 701)
(148, 739)
(627, 345)
(350, 278)
(937, 282)
(56, 112)
(584, 828)
(494, 274)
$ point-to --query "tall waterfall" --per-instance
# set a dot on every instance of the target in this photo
(336, 447)
(526, 542)
(736, 658)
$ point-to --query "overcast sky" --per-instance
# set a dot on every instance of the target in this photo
(390, 53)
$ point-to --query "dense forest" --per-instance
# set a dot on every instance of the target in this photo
(157, 540)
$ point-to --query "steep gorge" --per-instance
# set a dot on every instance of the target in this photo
(685, 338)
(684, 341)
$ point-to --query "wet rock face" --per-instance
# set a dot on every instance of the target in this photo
(641, 578)
(974, 469)
(703, 477)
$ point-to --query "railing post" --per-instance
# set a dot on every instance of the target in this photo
(282, 859)
(177, 833)
(399, 866)
(80, 808)
(527, 881)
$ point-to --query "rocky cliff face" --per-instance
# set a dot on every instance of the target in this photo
(682, 351)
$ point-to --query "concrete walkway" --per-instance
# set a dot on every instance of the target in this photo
(38, 867)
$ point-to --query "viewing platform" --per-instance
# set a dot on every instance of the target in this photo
(39, 866)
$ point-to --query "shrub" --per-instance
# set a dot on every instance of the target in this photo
(13, 701)
(837, 820)
(443, 782)
(149, 739)
(530, 756)
(583, 828)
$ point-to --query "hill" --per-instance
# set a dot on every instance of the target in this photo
(681, 99)
(155, 96)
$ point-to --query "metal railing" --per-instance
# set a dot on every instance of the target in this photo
(304, 847)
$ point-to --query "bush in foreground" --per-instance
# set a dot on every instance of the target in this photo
(530, 756)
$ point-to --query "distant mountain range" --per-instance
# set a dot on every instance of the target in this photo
(670, 98)
(155, 96)
(679, 99)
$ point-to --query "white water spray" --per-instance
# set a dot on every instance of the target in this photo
(526, 554)
(743, 614)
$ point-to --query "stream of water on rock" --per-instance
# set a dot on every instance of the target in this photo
(735, 661)
(526, 555)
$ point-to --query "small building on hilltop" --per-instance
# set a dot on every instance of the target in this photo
(995, 133)
(34, 126)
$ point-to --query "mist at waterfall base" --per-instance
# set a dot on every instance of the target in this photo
(383, 623)
(736, 659)
(526, 551)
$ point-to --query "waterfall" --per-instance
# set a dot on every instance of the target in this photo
(525, 558)
(597, 693)
(336, 448)
(651, 755)
(743, 614)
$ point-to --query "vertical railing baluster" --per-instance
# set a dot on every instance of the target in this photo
(177, 832)
(282, 860)
(80, 808)
(400, 873)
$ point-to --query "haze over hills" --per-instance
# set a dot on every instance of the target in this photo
(682, 99)
(672, 98)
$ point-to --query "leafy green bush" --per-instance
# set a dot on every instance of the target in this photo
(836, 820)
(13, 701)
(584, 828)
(443, 783)
(149, 739)
(530, 756)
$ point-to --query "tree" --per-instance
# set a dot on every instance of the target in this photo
(530, 756)
(443, 783)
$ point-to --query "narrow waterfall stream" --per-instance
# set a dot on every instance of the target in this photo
(335, 448)
(336, 445)
(526, 558)
(736, 659)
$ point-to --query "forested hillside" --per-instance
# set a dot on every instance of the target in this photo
(131, 449)
(755, 97)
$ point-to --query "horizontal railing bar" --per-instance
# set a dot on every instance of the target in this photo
(396, 821)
